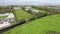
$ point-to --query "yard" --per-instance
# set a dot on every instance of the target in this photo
(38, 26)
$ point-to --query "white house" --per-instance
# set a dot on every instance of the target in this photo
(35, 11)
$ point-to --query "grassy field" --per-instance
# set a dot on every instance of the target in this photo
(3, 16)
(38, 26)
(20, 15)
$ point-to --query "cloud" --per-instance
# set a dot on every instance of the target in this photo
(27, 2)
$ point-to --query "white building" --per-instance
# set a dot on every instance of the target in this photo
(35, 11)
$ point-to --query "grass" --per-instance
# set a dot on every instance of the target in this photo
(40, 11)
(3, 16)
(38, 26)
(20, 15)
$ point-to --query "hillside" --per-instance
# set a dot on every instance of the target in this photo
(39, 26)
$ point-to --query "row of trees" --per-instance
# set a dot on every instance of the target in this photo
(6, 9)
(49, 11)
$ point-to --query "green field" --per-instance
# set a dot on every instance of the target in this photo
(3, 16)
(21, 15)
(38, 26)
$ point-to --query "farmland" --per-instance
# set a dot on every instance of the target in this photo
(22, 15)
(41, 22)
(38, 26)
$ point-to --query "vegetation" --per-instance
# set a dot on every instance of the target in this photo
(39, 26)
(45, 25)
(41, 11)
(22, 15)
(3, 16)
(5, 9)
(50, 10)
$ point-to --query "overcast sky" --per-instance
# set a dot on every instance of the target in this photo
(29, 2)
